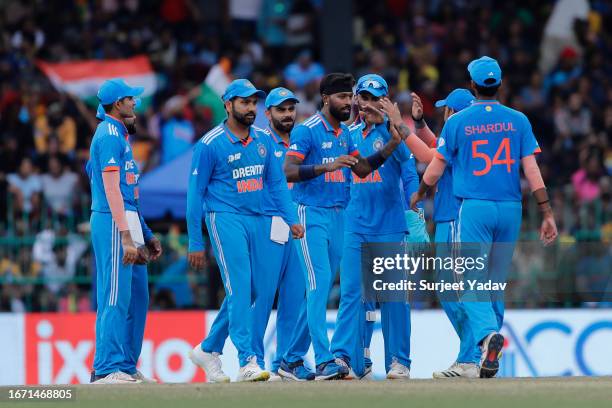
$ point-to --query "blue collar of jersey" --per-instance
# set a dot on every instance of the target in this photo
(116, 122)
(236, 139)
(329, 127)
(360, 122)
(276, 137)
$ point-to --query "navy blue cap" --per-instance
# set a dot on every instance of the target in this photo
(280, 95)
(374, 84)
(457, 100)
(242, 88)
(114, 89)
(485, 71)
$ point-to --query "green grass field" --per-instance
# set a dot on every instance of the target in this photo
(497, 393)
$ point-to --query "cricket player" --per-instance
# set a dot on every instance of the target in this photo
(319, 161)
(374, 214)
(446, 211)
(233, 170)
(283, 271)
(486, 143)
(122, 241)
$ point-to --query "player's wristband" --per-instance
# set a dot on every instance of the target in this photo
(307, 171)
(419, 124)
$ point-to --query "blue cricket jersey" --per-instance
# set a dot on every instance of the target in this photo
(232, 175)
(375, 205)
(280, 149)
(110, 151)
(446, 203)
(485, 144)
(410, 181)
(316, 142)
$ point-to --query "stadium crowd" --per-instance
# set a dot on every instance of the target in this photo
(557, 70)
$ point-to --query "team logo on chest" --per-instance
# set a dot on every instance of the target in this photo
(261, 149)
(378, 144)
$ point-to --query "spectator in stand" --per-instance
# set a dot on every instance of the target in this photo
(568, 70)
(24, 188)
(532, 96)
(573, 120)
(177, 132)
(586, 181)
(303, 71)
(55, 125)
(59, 187)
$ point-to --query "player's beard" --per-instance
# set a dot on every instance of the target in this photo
(246, 119)
(130, 125)
(283, 126)
(340, 115)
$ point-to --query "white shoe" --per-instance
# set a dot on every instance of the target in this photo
(491, 348)
(252, 372)
(118, 377)
(465, 370)
(398, 371)
(274, 377)
(140, 376)
(210, 363)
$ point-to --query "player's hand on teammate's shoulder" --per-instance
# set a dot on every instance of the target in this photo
(130, 253)
(197, 259)
(155, 248)
(297, 231)
(341, 162)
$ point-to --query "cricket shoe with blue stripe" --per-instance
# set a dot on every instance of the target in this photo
(491, 353)
(330, 371)
(343, 363)
(295, 371)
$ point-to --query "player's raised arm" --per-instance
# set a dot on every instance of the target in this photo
(418, 147)
(420, 126)
(366, 165)
(202, 163)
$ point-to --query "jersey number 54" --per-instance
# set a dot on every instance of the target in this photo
(503, 149)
